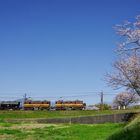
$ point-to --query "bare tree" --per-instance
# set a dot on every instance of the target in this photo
(125, 99)
(127, 67)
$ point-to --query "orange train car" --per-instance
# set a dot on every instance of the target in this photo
(36, 105)
(69, 105)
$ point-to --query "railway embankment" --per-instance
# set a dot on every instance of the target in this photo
(68, 117)
(130, 132)
(114, 118)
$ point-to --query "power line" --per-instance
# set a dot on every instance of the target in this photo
(82, 95)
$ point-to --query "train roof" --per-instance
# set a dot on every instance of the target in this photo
(70, 100)
(9, 102)
(38, 100)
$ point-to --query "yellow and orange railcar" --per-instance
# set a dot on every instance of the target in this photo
(69, 105)
(36, 105)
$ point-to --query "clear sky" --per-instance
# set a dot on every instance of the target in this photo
(59, 47)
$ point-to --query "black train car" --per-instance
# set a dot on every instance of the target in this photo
(7, 105)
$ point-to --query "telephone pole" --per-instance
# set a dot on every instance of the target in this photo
(24, 99)
(102, 99)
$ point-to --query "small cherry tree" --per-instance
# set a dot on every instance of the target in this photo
(125, 99)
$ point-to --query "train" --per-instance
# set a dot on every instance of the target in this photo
(70, 105)
(37, 105)
(10, 105)
(43, 105)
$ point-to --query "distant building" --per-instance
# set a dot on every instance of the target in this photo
(91, 107)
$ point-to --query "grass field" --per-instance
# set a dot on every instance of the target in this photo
(56, 114)
(57, 132)
(21, 130)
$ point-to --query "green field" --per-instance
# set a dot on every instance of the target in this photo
(30, 130)
(56, 114)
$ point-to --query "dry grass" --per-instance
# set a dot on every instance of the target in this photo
(57, 132)
(29, 126)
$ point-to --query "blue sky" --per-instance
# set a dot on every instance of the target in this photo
(59, 47)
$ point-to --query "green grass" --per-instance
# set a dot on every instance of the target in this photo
(55, 114)
(8, 131)
(60, 132)
(34, 131)
(130, 132)
(5, 124)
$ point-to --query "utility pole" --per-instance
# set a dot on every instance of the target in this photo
(24, 99)
(102, 99)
